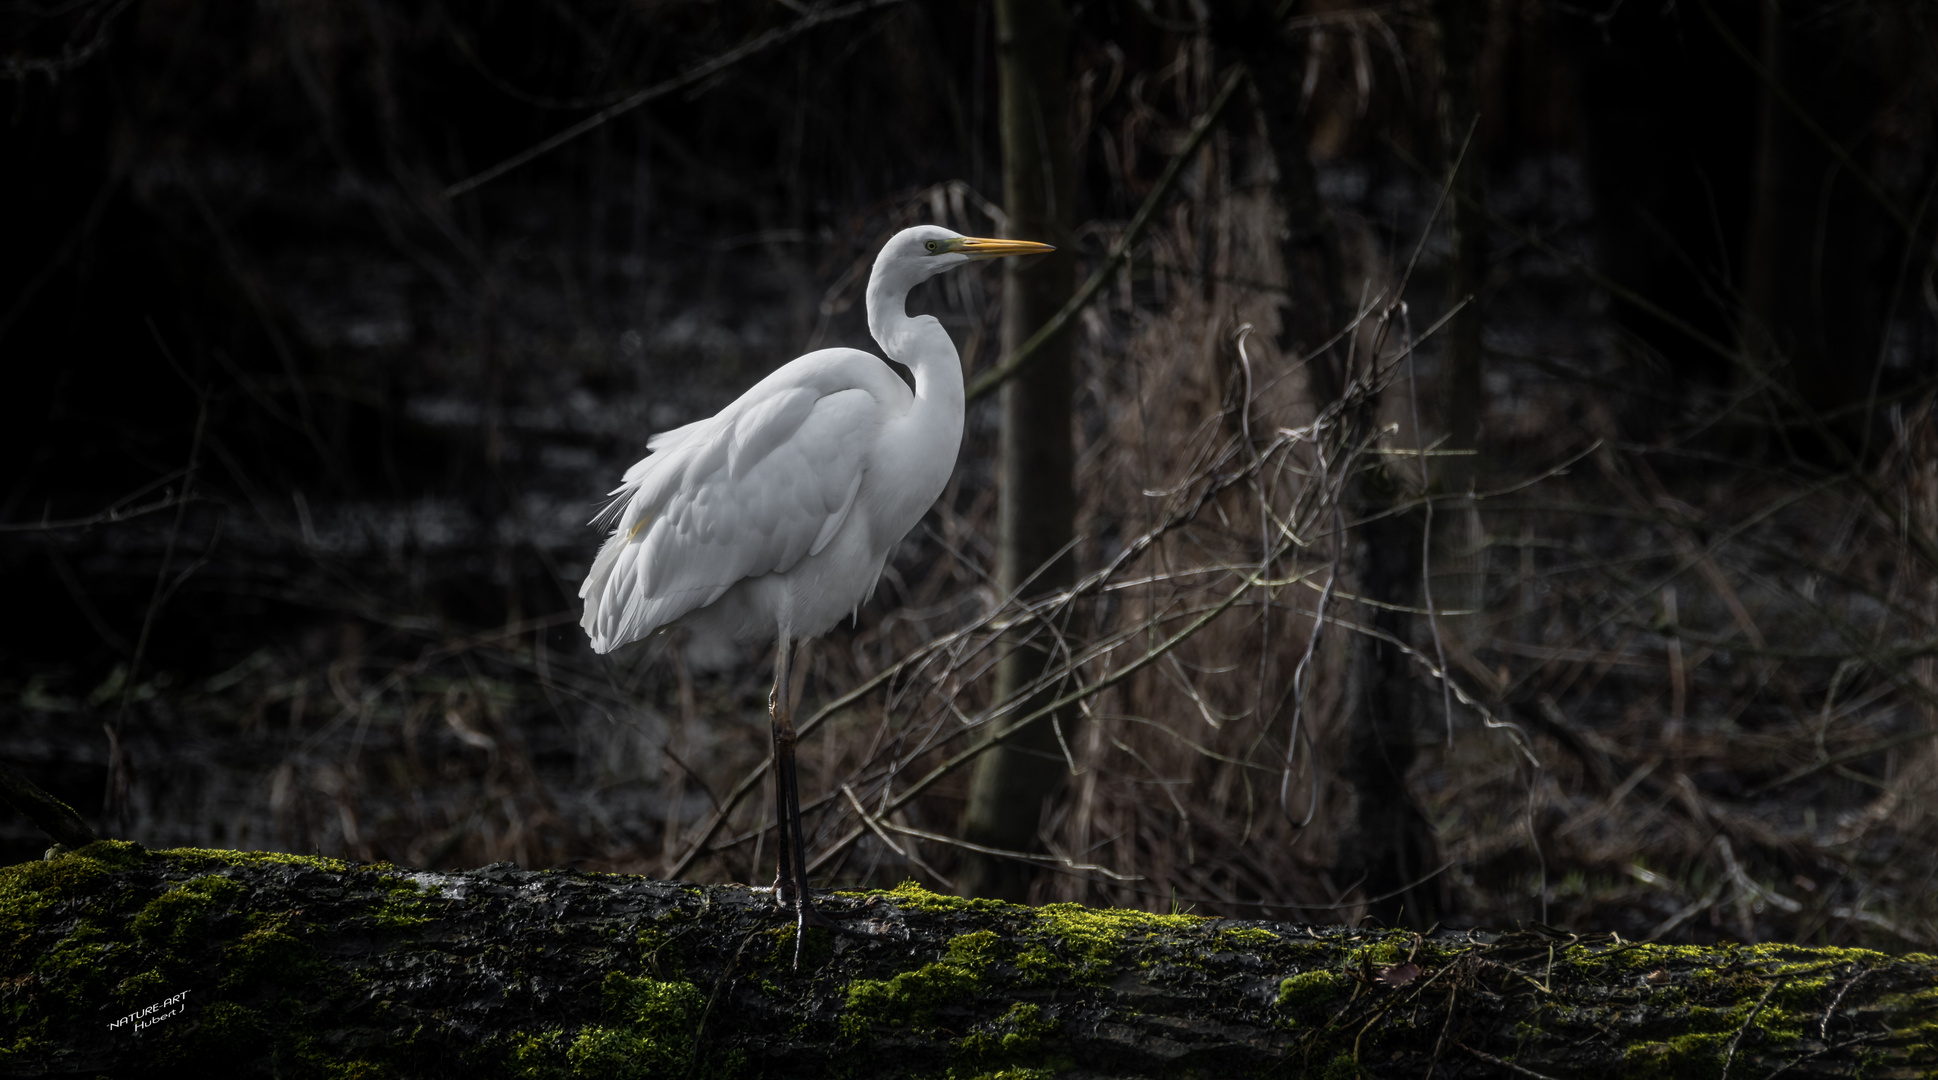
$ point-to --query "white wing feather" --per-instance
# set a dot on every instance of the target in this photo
(752, 491)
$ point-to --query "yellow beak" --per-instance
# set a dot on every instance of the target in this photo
(979, 248)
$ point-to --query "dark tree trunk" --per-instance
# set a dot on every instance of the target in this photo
(260, 964)
(1391, 845)
(1459, 25)
(1391, 849)
(1719, 204)
(1811, 290)
(1316, 306)
(1458, 404)
(1036, 515)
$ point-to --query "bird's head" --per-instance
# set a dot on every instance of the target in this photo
(919, 253)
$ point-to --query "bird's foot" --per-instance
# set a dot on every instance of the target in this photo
(807, 915)
(787, 899)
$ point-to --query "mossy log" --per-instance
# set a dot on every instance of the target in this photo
(117, 960)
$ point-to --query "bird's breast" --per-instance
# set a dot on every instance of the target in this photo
(908, 471)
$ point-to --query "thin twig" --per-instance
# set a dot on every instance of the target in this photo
(52, 816)
(1729, 1058)
(1518, 1070)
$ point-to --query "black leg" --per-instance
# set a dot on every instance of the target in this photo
(783, 733)
(790, 880)
(794, 839)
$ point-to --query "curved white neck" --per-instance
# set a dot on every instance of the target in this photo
(919, 342)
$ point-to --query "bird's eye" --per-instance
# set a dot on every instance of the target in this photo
(933, 246)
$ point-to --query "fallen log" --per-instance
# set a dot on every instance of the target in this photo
(123, 961)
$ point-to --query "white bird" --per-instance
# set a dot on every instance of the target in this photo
(774, 516)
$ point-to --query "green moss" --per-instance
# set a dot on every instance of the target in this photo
(619, 1054)
(973, 951)
(661, 955)
(208, 856)
(113, 854)
(1698, 1049)
(1631, 957)
(1793, 993)
(816, 948)
(1038, 965)
(141, 988)
(132, 947)
(911, 895)
(392, 917)
(403, 907)
(269, 951)
(1706, 963)
(25, 1040)
(1094, 938)
(1244, 939)
(82, 969)
(1778, 952)
(537, 1055)
(1781, 1024)
(1073, 941)
(1694, 1056)
(652, 1035)
(223, 1031)
(913, 996)
(312, 1057)
(1312, 988)
(1343, 1067)
(170, 920)
(75, 971)
(909, 998)
(1383, 953)
(29, 889)
(1016, 1033)
(1711, 994)
(349, 1070)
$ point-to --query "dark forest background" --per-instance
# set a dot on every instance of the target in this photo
(304, 413)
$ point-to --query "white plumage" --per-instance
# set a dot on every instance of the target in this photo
(774, 517)
(761, 491)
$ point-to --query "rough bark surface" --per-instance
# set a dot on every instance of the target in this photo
(264, 964)
(1036, 512)
(1391, 849)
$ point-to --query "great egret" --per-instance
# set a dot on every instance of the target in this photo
(775, 515)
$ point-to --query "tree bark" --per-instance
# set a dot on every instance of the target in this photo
(1458, 25)
(1037, 508)
(1316, 305)
(1390, 849)
(1812, 297)
(1760, 245)
(260, 964)
(1459, 403)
